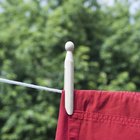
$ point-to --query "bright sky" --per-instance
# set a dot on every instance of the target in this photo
(135, 4)
(107, 2)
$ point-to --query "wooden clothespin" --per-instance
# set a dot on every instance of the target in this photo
(69, 78)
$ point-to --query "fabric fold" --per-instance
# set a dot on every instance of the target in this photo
(100, 115)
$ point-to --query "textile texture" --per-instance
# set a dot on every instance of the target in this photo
(100, 115)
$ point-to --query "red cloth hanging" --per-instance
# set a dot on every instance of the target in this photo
(100, 115)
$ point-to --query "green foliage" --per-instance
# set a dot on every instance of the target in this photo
(32, 38)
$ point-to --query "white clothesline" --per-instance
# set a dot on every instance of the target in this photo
(2, 80)
(68, 80)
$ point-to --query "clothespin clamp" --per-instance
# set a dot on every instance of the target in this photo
(69, 78)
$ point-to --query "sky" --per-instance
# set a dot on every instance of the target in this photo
(135, 4)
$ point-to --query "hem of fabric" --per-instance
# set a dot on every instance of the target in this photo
(99, 117)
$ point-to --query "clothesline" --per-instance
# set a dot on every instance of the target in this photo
(68, 80)
(2, 80)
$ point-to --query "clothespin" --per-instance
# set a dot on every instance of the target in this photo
(69, 78)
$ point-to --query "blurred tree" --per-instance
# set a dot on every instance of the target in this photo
(32, 38)
(120, 51)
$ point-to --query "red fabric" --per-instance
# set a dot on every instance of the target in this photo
(101, 115)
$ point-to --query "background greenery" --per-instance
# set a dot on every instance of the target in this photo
(32, 38)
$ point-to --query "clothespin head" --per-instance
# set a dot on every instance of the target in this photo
(69, 78)
(69, 46)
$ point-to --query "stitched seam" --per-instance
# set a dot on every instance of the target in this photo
(68, 130)
(78, 126)
(110, 122)
(128, 117)
(107, 118)
(79, 130)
